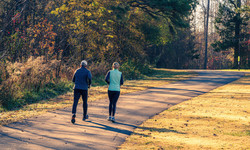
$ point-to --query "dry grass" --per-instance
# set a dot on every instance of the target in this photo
(219, 119)
(160, 77)
(241, 70)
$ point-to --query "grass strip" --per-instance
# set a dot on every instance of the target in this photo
(219, 119)
(159, 76)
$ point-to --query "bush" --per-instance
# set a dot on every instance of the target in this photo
(29, 82)
(133, 70)
(50, 90)
(99, 69)
(10, 94)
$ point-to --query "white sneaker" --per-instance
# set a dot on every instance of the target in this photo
(113, 119)
(109, 118)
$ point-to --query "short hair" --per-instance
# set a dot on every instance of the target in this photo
(84, 63)
(116, 65)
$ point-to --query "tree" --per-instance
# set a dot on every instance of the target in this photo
(206, 33)
(179, 52)
(231, 20)
(174, 12)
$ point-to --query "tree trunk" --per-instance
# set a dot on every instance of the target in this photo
(206, 30)
(237, 37)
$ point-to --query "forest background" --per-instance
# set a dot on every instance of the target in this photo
(42, 42)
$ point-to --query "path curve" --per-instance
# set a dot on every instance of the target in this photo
(53, 130)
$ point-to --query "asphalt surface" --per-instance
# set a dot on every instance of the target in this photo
(54, 130)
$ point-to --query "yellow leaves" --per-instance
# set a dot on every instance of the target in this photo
(63, 8)
(55, 12)
(105, 24)
(73, 26)
(110, 11)
(72, 3)
(88, 13)
(78, 19)
(102, 9)
(94, 4)
(111, 21)
(110, 36)
(92, 22)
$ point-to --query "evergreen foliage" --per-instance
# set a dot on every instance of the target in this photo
(228, 16)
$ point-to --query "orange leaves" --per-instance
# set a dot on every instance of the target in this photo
(42, 38)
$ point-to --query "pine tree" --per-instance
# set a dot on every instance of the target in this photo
(230, 23)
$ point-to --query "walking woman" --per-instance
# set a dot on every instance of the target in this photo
(115, 80)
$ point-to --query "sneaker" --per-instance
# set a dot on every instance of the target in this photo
(84, 118)
(109, 118)
(73, 120)
(113, 119)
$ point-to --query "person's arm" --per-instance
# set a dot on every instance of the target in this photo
(107, 78)
(89, 79)
(121, 81)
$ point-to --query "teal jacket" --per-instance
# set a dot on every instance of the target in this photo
(114, 79)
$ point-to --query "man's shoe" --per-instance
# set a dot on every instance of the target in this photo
(73, 120)
(84, 118)
(109, 118)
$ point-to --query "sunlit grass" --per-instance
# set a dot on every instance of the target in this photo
(216, 120)
(157, 78)
(241, 70)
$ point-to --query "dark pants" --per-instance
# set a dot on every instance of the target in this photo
(113, 97)
(77, 94)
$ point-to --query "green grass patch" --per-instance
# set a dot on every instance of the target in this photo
(26, 97)
(98, 81)
(240, 133)
(166, 74)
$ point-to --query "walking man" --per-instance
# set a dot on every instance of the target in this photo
(82, 79)
(115, 80)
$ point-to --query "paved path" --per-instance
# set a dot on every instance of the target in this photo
(53, 130)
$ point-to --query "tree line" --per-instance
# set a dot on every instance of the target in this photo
(228, 34)
(43, 41)
(72, 30)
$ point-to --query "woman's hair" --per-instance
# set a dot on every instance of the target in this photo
(115, 65)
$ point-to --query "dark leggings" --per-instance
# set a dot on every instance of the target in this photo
(77, 94)
(113, 97)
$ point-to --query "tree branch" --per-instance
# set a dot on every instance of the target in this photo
(3, 55)
(231, 1)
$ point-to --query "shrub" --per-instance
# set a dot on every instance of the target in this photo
(134, 70)
(10, 93)
(29, 82)
(99, 69)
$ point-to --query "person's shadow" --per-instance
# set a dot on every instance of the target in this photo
(109, 128)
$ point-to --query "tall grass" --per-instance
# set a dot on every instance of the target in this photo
(29, 82)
